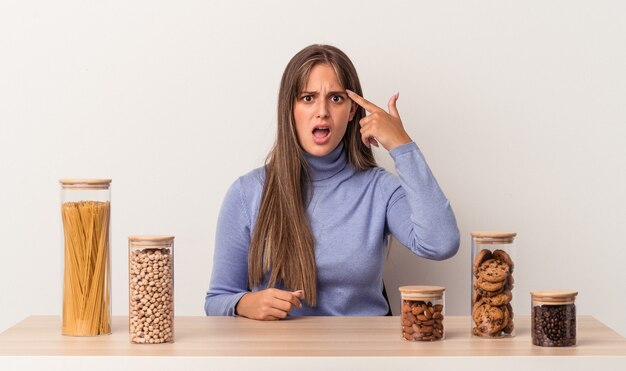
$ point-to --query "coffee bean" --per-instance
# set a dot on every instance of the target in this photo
(554, 325)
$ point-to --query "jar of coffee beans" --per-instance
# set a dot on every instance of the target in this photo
(422, 313)
(151, 289)
(553, 318)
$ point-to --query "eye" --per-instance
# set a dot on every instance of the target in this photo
(336, 98)
(307, 98)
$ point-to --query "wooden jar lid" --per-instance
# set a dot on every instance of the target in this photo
(150, 241)
(493, 237)
(151, 238)
(493, 234)
(422, 292)
(85, 183)
(554, 296)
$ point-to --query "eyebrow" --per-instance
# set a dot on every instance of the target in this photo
(338, 92)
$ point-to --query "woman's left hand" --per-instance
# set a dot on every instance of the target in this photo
(380, 126)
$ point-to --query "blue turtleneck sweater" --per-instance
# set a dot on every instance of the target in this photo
(351, 214)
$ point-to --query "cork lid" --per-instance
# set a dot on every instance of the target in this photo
(150, 241)
(493, 237)
(85, 183)
(422, 292)
(554, 296)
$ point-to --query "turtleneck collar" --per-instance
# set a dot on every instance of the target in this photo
(325, 167)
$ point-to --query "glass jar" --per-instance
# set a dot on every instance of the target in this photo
(151, 289)
(493, 256)
(422, 313)
(553, 318)
(85, 212)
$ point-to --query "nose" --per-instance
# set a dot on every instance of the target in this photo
(322, 108)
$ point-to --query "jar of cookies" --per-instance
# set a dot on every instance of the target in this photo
(553, 318)
(86, 216)
(151, 289)
(422, 313)
(493, 256)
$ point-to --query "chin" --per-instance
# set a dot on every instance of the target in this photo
(319, 151)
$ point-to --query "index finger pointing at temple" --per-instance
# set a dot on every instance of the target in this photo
(369, 106)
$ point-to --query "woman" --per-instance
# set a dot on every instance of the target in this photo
(306, 234)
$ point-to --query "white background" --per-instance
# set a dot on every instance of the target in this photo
(519, 107)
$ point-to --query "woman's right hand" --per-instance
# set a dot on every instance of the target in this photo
(268, 304)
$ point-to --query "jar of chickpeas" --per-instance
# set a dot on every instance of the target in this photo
(151, 289)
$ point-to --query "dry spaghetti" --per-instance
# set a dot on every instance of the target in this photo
(86, 291)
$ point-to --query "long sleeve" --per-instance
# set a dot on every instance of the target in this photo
(419, 215)
(229, 279)
(350, 213)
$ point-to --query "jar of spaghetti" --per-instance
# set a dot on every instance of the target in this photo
(493, 257)
(422, 313)
(151, 289)
(553, 318)
(85, 212)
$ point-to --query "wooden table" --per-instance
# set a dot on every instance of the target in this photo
(303, 343)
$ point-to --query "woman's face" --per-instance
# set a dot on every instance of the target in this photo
(322, 111)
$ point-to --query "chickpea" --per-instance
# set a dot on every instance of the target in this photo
(151, 300)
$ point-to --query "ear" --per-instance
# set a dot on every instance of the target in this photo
(353, 108)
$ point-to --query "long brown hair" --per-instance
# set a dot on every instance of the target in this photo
(282, 242)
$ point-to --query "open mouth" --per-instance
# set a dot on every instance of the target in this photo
(321, 132)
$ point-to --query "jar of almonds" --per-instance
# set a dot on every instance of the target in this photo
(151, 289)
(422, 313)
(493, 256)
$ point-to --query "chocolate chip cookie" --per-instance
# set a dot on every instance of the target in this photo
(482, 255)
(501, 299)
(503, 256)
(485, 285)
(490, 319)
(493, 270)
